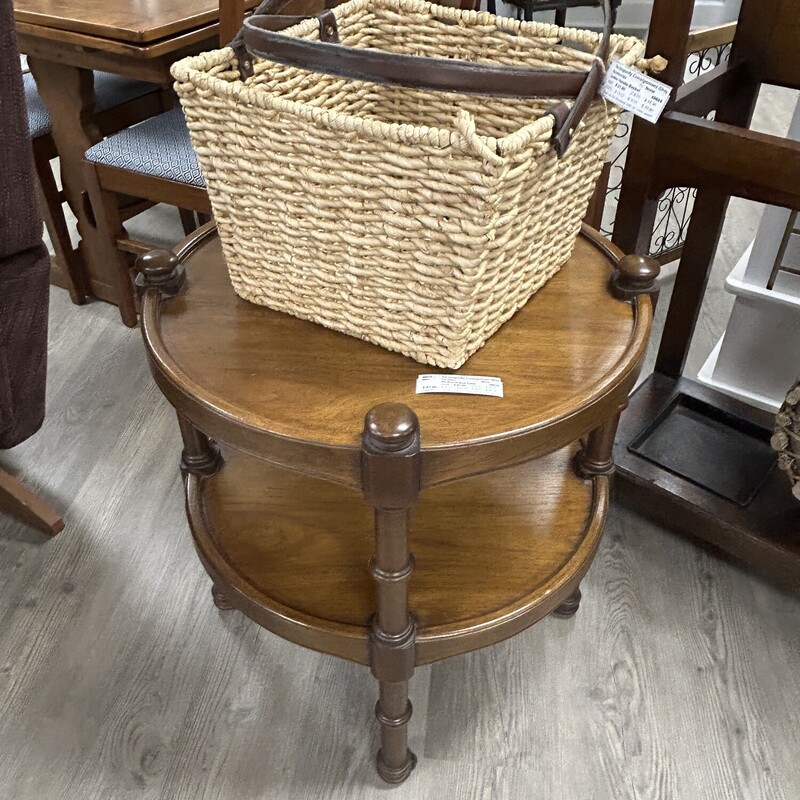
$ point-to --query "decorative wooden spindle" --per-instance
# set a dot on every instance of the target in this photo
(200, 455)
(161, 270)
(390, 481)
(570, 606)
(221, 599)
(596, 458)
(634, 275)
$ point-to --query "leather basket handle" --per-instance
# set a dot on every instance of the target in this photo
(260, 36)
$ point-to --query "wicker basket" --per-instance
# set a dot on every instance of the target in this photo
(418, 220)
(786, 439)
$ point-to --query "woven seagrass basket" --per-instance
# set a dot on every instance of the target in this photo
(786, 439)
(419, 220)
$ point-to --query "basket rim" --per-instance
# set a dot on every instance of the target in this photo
(198, 71)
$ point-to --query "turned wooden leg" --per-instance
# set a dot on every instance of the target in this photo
(570, 606)
(596, 458)
(200, 455)
(221, 600)
(391, 485)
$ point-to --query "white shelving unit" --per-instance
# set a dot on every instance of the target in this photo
(758, 357)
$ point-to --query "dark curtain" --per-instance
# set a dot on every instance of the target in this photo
(24, 262)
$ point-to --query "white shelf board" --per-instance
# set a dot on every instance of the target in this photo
(705, 376)
(737, 285)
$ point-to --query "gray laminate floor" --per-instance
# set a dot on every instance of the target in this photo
(679, 679)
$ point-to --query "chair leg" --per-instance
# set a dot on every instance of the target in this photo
(102, 212)
(189, 220)
(51, 204)
(23, 504)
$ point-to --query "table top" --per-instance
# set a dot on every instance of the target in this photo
(135, 21)
(269, 383)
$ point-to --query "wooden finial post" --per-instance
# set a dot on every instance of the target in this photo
(635, 275)
(390, 481)
(161, 270)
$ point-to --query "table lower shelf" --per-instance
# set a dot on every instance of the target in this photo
(494, 553)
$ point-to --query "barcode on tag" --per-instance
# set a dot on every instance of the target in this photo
(460, 384)
(635, 92)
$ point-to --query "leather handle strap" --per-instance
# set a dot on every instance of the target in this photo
(260, 36)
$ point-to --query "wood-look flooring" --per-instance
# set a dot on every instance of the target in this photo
(679, 678)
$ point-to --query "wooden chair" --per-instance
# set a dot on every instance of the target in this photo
(120, 102)
(724, 497)
(155, 161)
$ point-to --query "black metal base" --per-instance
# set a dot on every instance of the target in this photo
(699, 462)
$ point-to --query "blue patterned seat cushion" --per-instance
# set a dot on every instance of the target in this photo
(110, 90)
(159, 146)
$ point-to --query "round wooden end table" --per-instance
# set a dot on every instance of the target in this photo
(299, 442)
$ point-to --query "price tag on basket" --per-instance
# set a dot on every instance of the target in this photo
(635, 92)
(460, 384)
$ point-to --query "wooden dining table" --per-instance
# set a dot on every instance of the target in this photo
(64, 41)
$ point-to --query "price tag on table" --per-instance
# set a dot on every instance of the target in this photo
(632, 90)
(460, 384)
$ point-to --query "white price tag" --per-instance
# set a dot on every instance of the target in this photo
(635, 92)
(459, 384)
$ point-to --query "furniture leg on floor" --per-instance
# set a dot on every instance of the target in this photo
(221, 599)
(391, 478)
(20, 502)
(570, 606)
